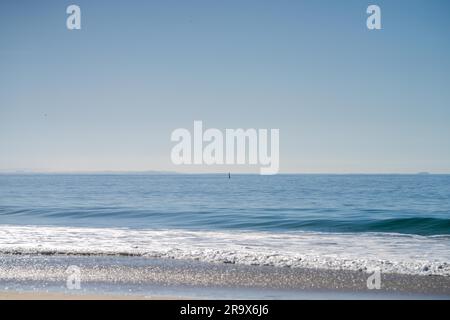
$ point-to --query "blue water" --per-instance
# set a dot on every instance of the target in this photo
(409, 204)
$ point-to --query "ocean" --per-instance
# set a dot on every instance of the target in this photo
(397, 223)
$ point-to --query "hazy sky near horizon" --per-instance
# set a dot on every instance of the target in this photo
(108, 96)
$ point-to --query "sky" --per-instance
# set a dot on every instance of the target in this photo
(107, 97)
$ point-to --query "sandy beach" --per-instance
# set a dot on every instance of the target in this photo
(65, 296)
(115, 277)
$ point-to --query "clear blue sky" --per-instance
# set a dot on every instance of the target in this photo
(108, 96)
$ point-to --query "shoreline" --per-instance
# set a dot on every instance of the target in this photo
(106, 277)
(17, 295)
(391, 253)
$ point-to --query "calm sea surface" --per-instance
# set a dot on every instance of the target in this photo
(411, 204)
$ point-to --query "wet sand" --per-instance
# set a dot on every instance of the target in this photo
(66, 296)
(115, 277)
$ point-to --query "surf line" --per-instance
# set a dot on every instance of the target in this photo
(235, 147)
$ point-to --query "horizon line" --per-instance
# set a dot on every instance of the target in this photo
(167, 172)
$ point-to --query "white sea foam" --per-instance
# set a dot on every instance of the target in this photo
(389, 252)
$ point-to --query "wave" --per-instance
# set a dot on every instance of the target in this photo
(414, 225)
(390, 253)
(257, 219)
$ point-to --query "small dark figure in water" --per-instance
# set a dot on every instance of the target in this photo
(229, 175)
